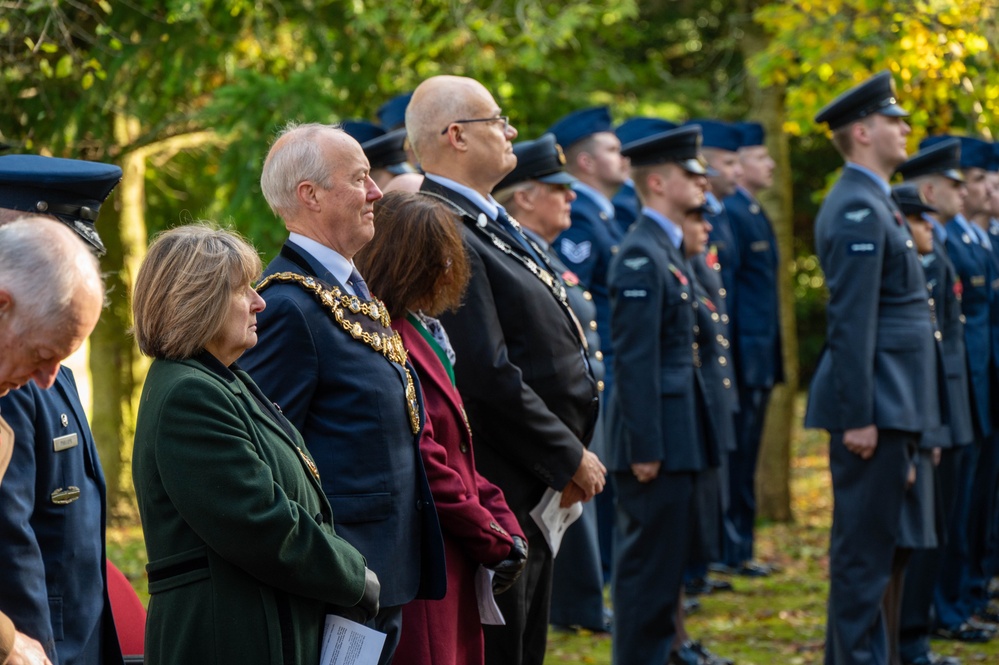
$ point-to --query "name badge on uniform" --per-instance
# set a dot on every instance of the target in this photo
(66, 442)
(978, 280)
(861, 248)
(759, 246)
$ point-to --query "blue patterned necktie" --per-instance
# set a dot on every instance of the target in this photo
(357, 283)
(504, 220)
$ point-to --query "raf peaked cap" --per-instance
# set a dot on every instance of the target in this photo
(681, 145)
(943, 158)
(910, 200)
(752, 134)
(72, 190)
(388, 152)
(975, 153)
(717, 134)
(541, 159)
(362, 130)
(579, 124)
(392, 114)
(875, 95)
(641, 127)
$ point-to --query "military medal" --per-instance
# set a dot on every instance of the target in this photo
(679, 275)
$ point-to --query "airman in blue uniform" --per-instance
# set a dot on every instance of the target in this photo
(593, 157)
(54, 575)
(968, 249)
(626, 203)
(875, 388)
(935, 176)
(660, 437)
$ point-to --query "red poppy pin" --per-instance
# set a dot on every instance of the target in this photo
(570, 278)
(679, 275)
(711, 258)
(958, 288)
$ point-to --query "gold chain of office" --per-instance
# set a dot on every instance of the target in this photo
(337, 304)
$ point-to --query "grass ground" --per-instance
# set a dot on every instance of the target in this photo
(780, 619)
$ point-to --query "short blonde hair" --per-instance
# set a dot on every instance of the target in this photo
(181, 298)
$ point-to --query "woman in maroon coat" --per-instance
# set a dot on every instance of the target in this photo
(417, 265)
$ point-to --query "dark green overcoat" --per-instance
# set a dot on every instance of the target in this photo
(243, 559)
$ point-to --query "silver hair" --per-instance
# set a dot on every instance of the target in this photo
(42, 270)
(295, 156)
(505, 196)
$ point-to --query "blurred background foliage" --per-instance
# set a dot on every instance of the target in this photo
(186, 95)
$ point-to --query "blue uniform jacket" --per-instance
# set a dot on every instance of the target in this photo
(349, 403)
(53, 576)
(879, 363)
(946, 293)
(626, 207)
(715, 347)
(750, 269)
(658, 404)
(587, 248)
(974, 268)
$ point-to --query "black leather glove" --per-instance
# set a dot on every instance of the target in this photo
(367, 606)
(508, 570)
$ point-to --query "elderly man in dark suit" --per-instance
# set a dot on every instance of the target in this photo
(875, 389)
(531, 398)
(660, 436)
(54, 575)
(332, 367)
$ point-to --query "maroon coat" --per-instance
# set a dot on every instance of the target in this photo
(476, 522)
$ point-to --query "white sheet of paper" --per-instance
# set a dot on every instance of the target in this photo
(553, 519)
(346, 642)
(489, 611)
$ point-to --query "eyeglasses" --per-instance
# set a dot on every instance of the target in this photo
(505, 119)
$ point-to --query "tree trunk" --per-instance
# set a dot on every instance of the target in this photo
(116, 367)
(773, 472)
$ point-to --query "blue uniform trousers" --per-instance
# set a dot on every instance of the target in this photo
(867, 511)
(742, 475)
(950, 597)
(924, 568)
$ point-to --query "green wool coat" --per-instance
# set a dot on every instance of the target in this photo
(243, 559)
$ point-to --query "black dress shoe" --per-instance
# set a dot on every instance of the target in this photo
(691, 606)
(723, 569)
(754, 569)
(930, 658)
(707, 658)
(990, 614)
(718, 585)
(965, 633)
(684, 656)
(697, 587)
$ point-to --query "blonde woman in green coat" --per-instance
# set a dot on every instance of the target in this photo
(243, 559)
